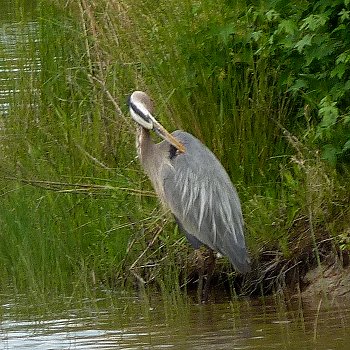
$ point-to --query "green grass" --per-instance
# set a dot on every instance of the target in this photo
(77, 210)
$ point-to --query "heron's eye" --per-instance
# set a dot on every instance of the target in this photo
(172, 152)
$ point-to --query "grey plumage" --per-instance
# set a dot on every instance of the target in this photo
(191, 181)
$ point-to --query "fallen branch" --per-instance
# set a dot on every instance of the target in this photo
(78, 188)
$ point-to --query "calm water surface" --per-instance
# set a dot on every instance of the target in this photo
(133, 323)
(17, 30)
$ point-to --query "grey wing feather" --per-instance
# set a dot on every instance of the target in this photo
(201, 196)
(192, 239)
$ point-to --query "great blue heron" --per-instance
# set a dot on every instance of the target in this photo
(191, 181)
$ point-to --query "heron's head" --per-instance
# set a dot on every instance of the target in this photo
(141, 109)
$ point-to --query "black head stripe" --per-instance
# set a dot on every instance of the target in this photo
(138, 111)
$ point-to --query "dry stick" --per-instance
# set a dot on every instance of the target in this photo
(79, 188)
(91, 30)
(94, 32)
(132, 267)
(144, 252)
(293, 140)
(299, 146)
(87, 47)
(109, 95)
(94, 159)
(130, 245)
(316, 319)
(111, 99)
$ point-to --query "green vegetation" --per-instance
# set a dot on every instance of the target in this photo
(264, 84)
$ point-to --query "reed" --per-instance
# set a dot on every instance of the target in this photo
(77, 210)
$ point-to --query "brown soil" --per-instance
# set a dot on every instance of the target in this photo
(332, 281)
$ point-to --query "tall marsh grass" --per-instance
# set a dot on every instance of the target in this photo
(76, 209)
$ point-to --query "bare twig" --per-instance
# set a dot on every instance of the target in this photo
(66, 187)
(108, 94)
(144, 252)
(94, 159)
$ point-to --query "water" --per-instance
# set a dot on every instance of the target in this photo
(17, 30)
(121, 322)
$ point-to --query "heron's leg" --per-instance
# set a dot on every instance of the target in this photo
(210, 267)
(201, 269)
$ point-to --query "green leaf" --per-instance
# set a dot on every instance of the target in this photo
(299, 84)
(338, 71)
(344, 15)
(329, 112)
(257, 35)
(346, 146)
(305, 41)
(330, 154)
(287, 26)
(330, 116)
(225, 32)
(313, 22)
(344, 57)
(346, 119)
(272, 15)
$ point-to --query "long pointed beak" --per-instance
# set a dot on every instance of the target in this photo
(165, 135)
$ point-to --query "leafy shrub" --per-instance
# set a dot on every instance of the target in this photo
(315, 38)
(305, 44)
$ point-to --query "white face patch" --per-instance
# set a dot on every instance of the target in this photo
(139, 119)
(140, 113)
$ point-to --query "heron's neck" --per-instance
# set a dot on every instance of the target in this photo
(144, 145)
(151, 158)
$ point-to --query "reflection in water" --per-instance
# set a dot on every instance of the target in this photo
(130, 323)
(16, 61)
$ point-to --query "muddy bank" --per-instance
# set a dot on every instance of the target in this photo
(331, 281)
(302, 276)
